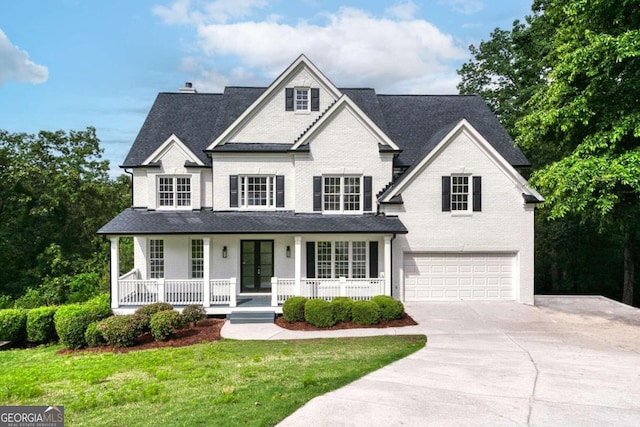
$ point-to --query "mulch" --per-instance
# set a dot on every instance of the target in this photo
(208, 330)
(405, 320)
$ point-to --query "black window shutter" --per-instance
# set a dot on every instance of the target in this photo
(233, 191)
(311, 260)
(315, 99)
(368, 196)
(317, 193)
(446, 194)
(373, 259)
(477, 193)
(280, 191)
(288, 93)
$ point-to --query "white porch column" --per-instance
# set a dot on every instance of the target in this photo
(297, 259)
(206, 275)
(232, 292)
(274, 292)
(387, 265)
(115, 271)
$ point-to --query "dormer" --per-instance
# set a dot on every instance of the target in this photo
(293, 101)
(170, 178)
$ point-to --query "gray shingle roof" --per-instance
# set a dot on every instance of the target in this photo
(411, 121)
(138, 221)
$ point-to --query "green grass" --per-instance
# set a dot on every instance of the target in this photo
(224, 383)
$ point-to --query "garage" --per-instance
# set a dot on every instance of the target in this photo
(459, 276)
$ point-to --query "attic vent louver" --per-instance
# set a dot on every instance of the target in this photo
(188, 88)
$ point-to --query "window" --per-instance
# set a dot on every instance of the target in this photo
(341, 259)
(341, 193)
(257, 191)
(156, 259)
(302, 99)
(174, 191)
(197, 259)
(459, 193)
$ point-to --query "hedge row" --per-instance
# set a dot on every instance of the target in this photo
(92, 323)
(321, 313)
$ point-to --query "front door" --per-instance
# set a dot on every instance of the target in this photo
(257, 265)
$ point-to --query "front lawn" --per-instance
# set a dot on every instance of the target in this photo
(223, 383)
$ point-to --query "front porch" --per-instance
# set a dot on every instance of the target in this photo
(220, 297)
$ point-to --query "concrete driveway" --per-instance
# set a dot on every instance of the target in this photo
(565, 361)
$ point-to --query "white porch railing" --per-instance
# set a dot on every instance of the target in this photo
(327, 289)
(134, 291)
(281, 289)
(184, 292)
(357, 289)
(222, 292)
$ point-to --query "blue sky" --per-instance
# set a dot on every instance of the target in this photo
(69, 64)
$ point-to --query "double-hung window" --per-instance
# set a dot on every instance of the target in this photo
(342, 193)
(197, 259)
(257, 191)
(302, 99)
(156, 259)
(460, 193)
(174, 191)
(335, 259)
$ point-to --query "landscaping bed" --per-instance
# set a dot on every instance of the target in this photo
(405, 320)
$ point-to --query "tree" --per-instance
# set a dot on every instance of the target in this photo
(508, 68)
(588, 110)
(55, 194)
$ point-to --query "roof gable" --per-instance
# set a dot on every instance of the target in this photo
(439, 142)
(302, 63)
(173, 143)
(345, 103)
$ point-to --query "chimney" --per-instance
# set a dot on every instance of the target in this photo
(188, 88)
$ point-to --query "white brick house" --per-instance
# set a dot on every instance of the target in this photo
(302, 188)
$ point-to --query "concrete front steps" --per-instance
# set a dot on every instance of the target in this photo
(251, 316)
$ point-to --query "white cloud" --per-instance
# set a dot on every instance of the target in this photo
(351, 46)
(15, 64)
(403, 10)
(467, 7)
(219, 11)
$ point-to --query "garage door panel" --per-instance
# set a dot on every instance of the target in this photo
(449, 276)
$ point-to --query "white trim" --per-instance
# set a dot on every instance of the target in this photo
(464, 126)
(345, 102)
(301, 62)
(172, 141)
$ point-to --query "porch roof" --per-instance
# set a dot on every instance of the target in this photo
(141, 221)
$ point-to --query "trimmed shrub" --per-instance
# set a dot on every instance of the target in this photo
(156, 307)
(120, 331)
(93, 335)
(390, 309)
(342, 308)
(319, 312)
(13, 325)
(100, 307)
(140, 322)
(193, 314)
(164, 324)
(293, 309)
(71, 322)
(365, 312)
(40, 325)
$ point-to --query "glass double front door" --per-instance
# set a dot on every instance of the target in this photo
(257, 265)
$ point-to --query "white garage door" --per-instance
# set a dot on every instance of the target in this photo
(447, 276)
